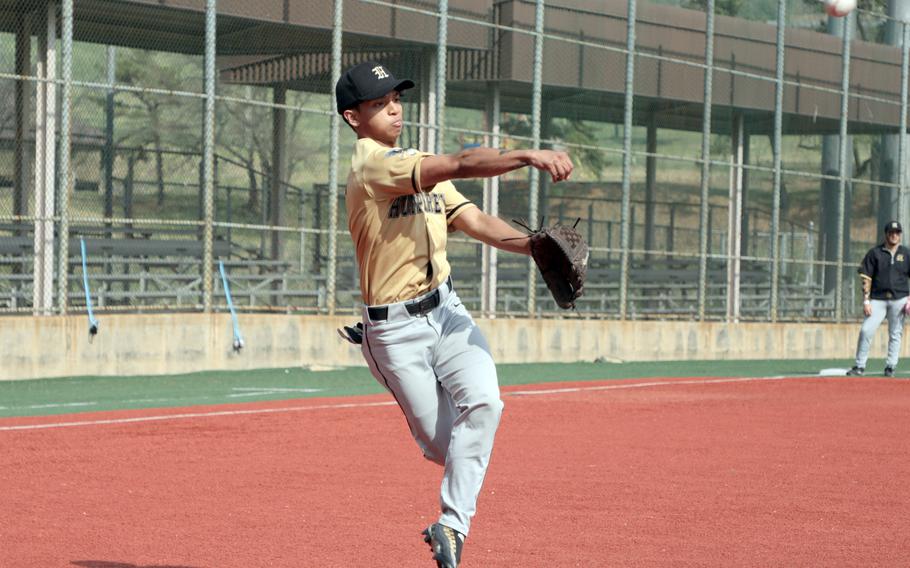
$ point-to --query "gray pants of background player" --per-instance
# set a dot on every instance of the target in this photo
(893, 309)
(440, 371)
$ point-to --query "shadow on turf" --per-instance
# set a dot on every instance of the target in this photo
(106, 564)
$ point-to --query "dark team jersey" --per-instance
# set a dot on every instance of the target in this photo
(887, 272)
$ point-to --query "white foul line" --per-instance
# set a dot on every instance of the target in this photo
(162, 417)
(245, 392)
(652, 384)
(275, 389)
(50, 405)
(192, 415)
(267, 391)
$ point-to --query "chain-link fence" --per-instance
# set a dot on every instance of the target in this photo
(165, 138)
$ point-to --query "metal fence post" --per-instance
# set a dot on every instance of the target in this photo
(705, 160)
(442, 35)
(777, 150)
(534, 177)
(842, 181)
(208, 156)
(902, 139)
(65, 175)
(627, 159)
(333, 160)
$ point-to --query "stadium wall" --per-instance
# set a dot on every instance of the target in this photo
(32, 347)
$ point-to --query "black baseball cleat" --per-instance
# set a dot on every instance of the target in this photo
(856, 372)
(889, 371)
(445, 543)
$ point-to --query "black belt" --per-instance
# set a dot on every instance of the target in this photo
(414, 307)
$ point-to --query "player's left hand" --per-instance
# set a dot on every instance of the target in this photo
(561, 254)
(353, 334)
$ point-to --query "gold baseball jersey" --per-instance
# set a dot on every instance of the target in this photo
(399, 228)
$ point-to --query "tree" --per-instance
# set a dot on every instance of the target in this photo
(244, 133)
(569, 131)
(148, 118)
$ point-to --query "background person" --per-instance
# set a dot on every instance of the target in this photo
(884, 272)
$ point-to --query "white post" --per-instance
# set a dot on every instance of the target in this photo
(45, 163)
(491, 206)
(428, 108)
(810, 255)
(734, 225)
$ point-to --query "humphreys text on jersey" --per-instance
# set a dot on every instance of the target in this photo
(407, 205)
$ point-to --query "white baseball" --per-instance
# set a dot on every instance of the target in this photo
(839, 8)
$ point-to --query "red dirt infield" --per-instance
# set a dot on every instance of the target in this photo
(698, 472)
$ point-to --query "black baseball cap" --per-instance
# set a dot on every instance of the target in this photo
(366, 81)
(893, 226)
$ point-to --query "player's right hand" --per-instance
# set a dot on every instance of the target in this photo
(867, 309)
(353, 334)
(558, 164)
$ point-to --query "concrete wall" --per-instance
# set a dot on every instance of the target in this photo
(179, 343)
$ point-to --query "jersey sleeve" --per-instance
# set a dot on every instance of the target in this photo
(867, 266)
(455, 202)
(394, 171)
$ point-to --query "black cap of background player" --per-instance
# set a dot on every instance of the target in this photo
(366, 81)
(893, 226)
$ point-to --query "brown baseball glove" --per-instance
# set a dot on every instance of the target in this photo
(561, 255)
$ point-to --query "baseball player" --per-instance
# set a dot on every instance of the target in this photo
(417, 338)
(884, 273)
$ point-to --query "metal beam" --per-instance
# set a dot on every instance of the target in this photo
(441, 55)
(66, 174)
(278, 188)
(902, 200)
(628, 115)
(534, 174)
(704, 242)
(208, 157)
(650, 180)
(894, 146)
(334, 125)
(844, 166)
(777, 150)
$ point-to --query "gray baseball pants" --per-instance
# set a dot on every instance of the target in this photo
(439, 368)
(893, 310)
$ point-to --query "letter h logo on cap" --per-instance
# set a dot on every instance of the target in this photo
(366, 81)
